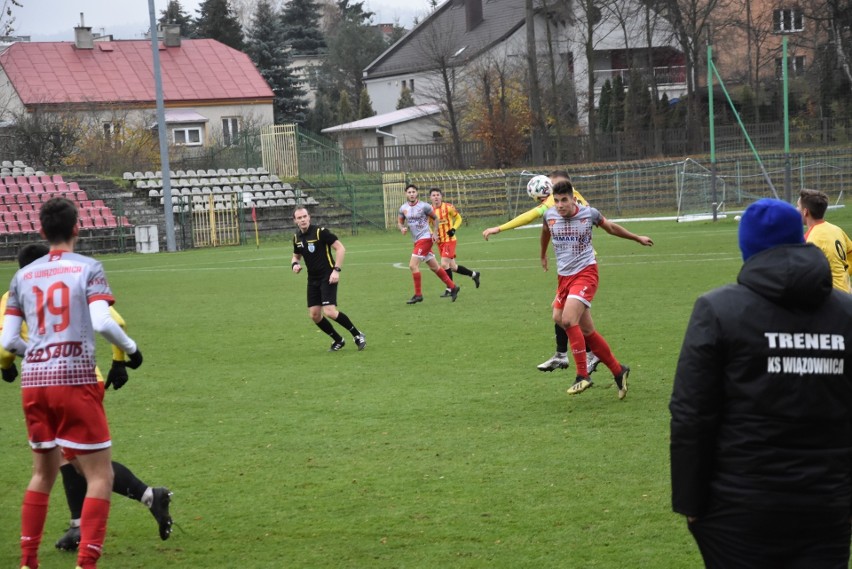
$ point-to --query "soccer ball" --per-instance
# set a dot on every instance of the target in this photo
(539, 187)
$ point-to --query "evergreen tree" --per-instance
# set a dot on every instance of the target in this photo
(352, 44)
(174, 14)
(616, 108)
(406, 99)
(603, 107)
(321, 116)
(300, 25)
(344, 109)
(365, 105)
(270, 56)
(216, 20)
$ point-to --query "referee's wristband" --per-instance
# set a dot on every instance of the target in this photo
(293, 265)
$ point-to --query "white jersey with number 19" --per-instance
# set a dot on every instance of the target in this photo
(53, 295)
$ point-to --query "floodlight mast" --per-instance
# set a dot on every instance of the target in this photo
(161, 131)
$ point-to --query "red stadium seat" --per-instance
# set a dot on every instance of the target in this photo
(57, 178)
(125, 222)
(20, 180)
(45, 179)
(61, 187)
(111, 221)
(13, 227)
(33, 180)
(13, 188)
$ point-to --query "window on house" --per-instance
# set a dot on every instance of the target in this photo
(788, 20)
(411, 85)
(795, 66)
(312, 77)
(188, 136)
(230, 130)
(112, 133)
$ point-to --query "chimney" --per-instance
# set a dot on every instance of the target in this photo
(171, 35)
(472, 13)
(83, 38)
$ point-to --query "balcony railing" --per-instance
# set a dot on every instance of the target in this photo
(669, 75)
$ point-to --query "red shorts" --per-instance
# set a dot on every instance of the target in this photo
(581, 286)
(447, 249)
(423, 249)
(70, 416)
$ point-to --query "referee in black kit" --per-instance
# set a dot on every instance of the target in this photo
(314, 244)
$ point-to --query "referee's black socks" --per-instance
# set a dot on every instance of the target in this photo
(326, 327)
(344, 321)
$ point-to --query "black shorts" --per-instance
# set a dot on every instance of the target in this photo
(321, 292)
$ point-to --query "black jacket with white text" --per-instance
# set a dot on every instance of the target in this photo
(761, 410)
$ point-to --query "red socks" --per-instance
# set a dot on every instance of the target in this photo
(578, 349)
(33, 514)
(93, 525)
(418, 278)
(442, 274)
(596, 343)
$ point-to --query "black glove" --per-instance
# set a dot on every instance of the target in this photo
(10, 373)
(451, 232)
(135, 359)
(117, 375)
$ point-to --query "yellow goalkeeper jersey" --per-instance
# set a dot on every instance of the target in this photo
(538, 211)
(837, 247)
(8, 358)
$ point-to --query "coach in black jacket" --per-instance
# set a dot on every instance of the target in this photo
(761, 428)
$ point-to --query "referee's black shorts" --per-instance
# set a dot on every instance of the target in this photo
(321, 292)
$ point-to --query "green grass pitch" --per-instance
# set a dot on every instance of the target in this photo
(438, 446)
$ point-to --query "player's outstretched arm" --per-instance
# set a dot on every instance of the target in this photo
(296, 263)
(619, 231)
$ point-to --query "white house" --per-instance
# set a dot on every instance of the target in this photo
(464, 33)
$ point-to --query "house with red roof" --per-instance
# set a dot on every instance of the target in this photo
(211, 91)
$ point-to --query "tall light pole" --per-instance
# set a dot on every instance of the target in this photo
(161, 131)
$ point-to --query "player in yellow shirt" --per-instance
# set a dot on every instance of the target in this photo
(832, 240)
(125, 482)
(559, 360)
(535, 213)
(448, 220)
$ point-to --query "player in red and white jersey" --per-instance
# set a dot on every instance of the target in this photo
(568, 226)
(448, 221)
(65, 299)
(414, 217)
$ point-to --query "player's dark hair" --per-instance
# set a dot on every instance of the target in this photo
(563, 187)
(560, 174)
(815, 201)
(58, 217)
(436, 190)
(412, 186)
(31, 252)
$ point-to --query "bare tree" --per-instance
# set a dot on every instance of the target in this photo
(499, 113)
(7, 17)
(588, 14)
(835, 18)
(440, 52)
(693, 22)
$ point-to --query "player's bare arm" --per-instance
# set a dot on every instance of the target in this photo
(490, 231)
(339, 254)
(400, 222)
(618, 231)
(545, 243)
(296, 263)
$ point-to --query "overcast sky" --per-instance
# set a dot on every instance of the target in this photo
(54, 20)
